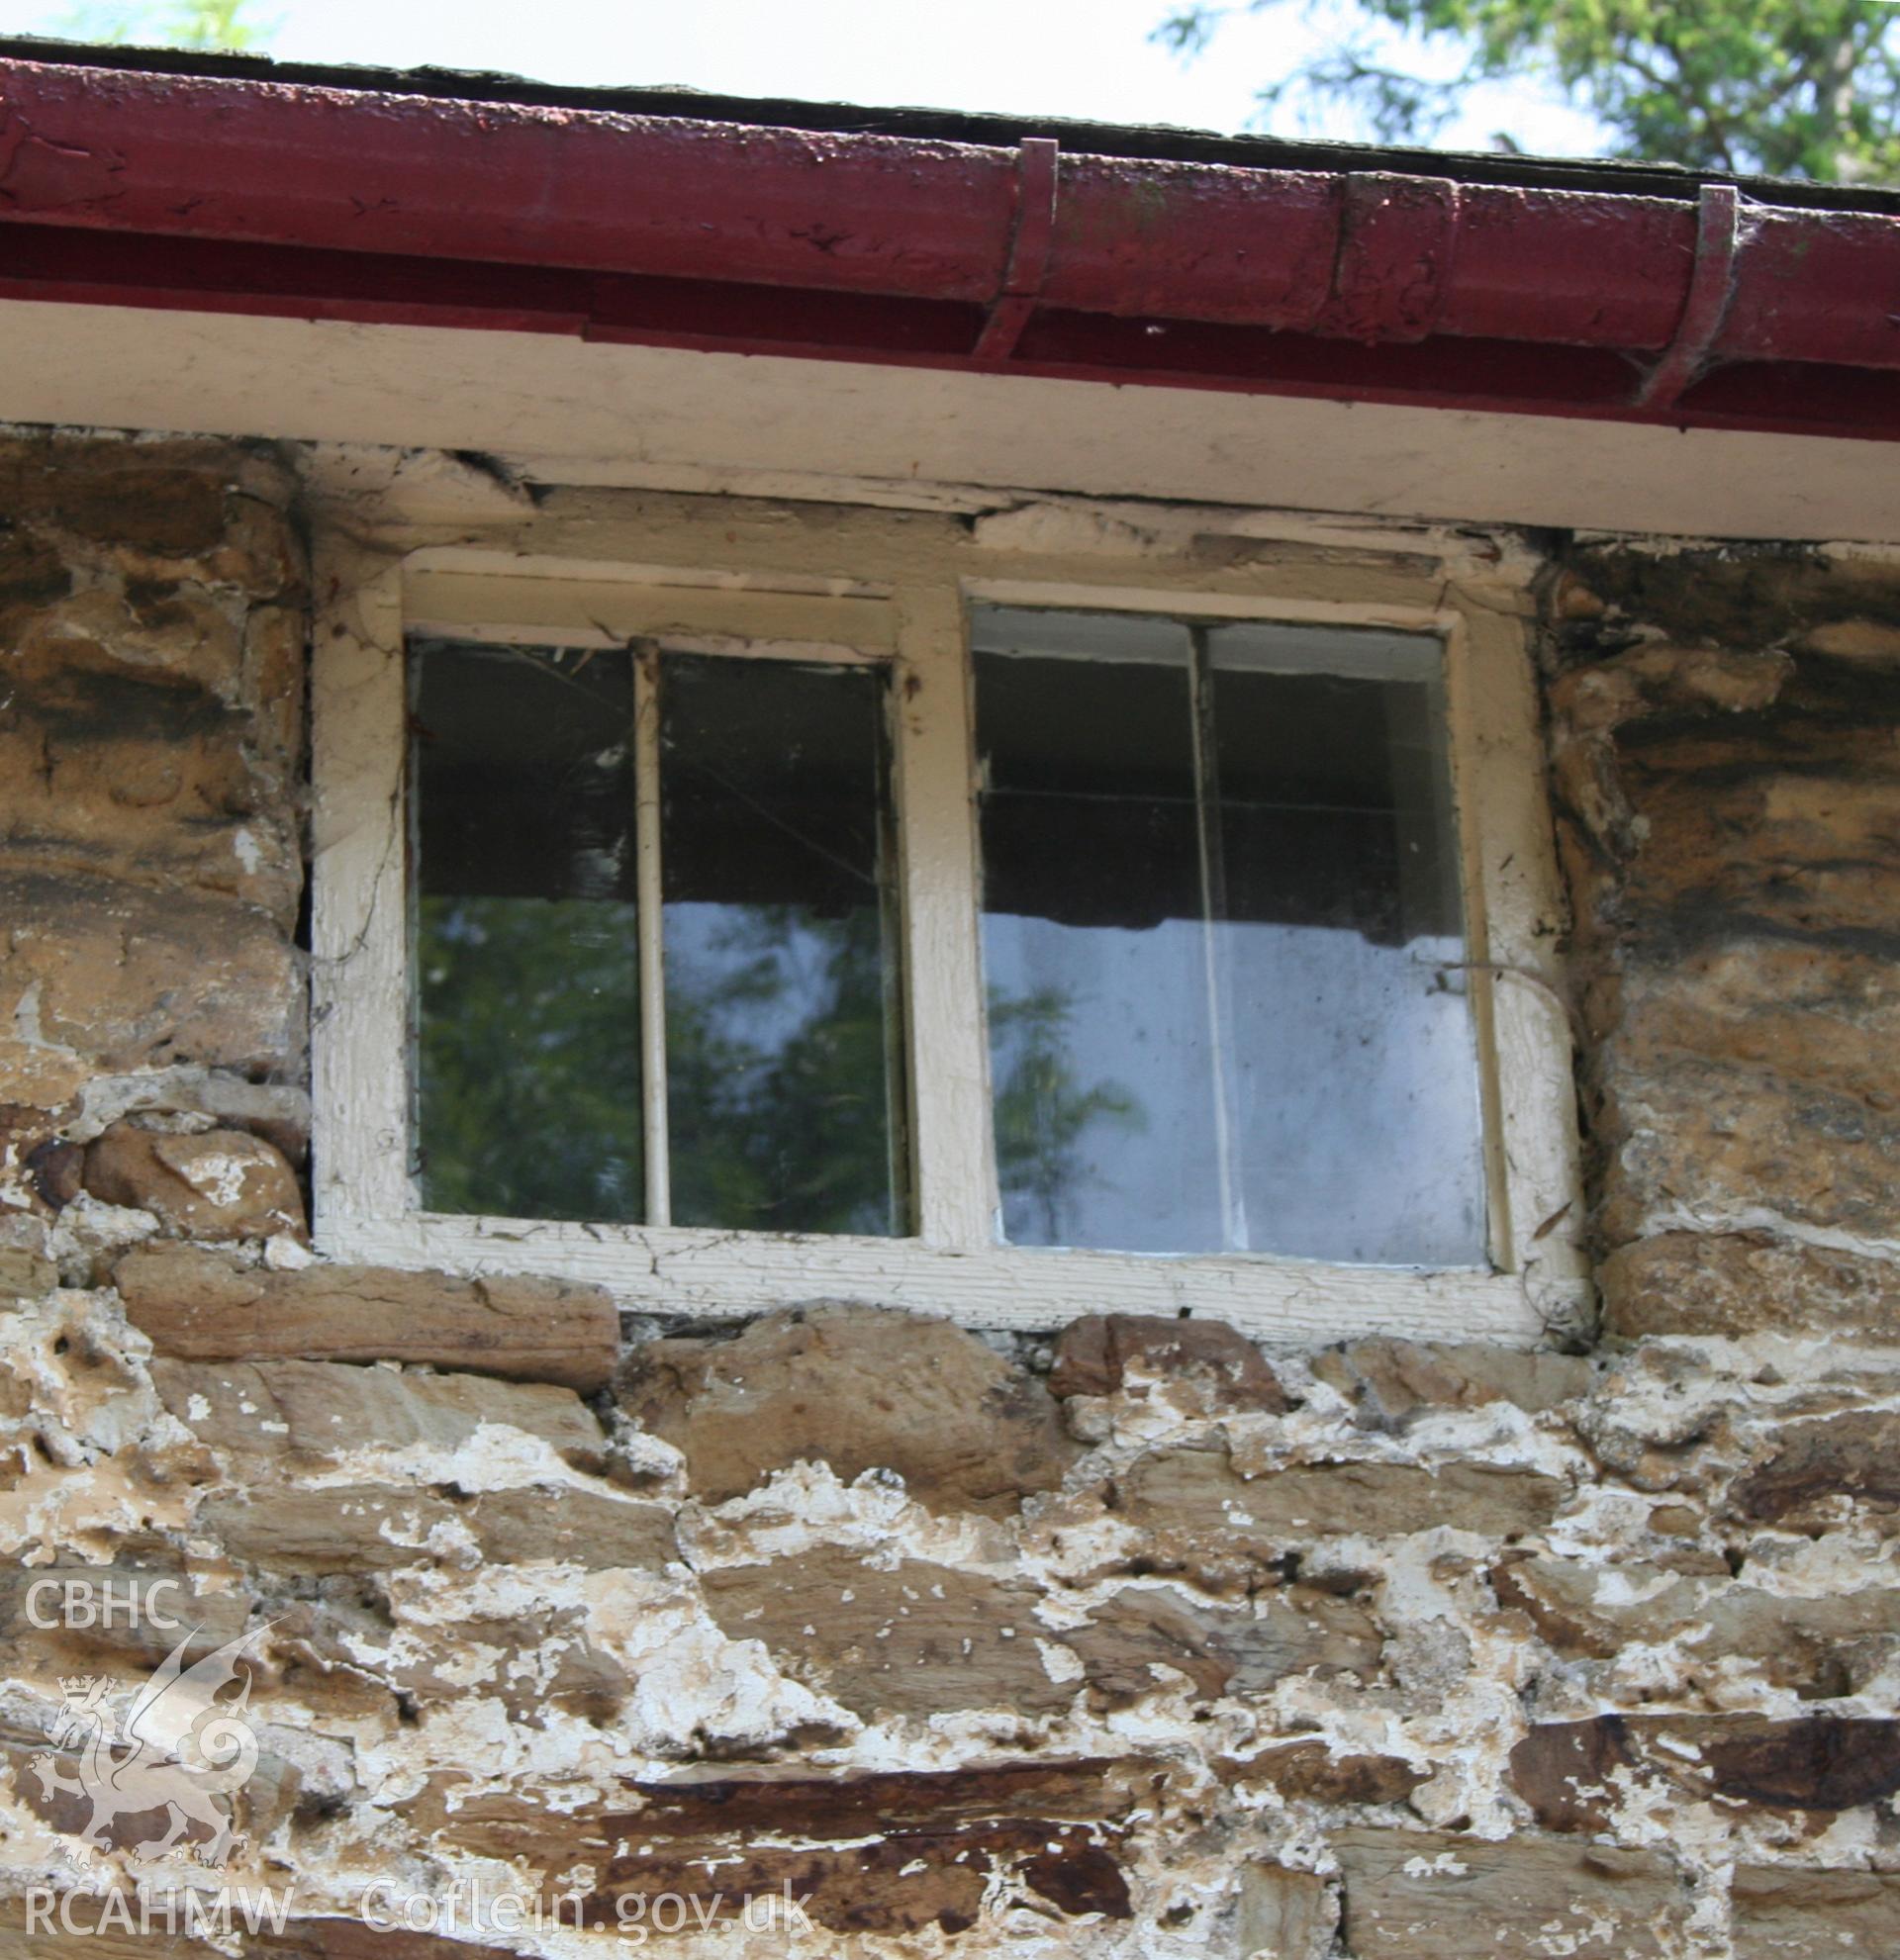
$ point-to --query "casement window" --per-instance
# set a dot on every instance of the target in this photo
(656, 952)
(998, 944)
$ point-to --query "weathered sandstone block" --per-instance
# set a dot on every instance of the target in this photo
(34, 1077)
(1311, 1770)
(140, 501)
(26, 1275)
(354, 1528)
(1783, 1913)
(883, 1852)
(214, 1184)
(1198, 1491)
(910, 1641)
(1595, 1612)
(1562, 1770)
(1659, 679)
(1393, 1381)
(1422, 1895)
(333, 1646)
(1744, 1282)
(1289, 1915)
(204, 1306)
(1220, 1367)
(1825, 1473)
(357, 1528)
(841, 1803)
(1743, 1139)
(1826, 1014)
(859, 1389)
(322, 1410)
(30, 1598)
(126, 752)
(1875, 641)
(904, 1882)
(1143, 1637)
(129, 978)
(534, 1523)
(1569, 1771)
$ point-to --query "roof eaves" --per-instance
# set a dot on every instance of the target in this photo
(235, 185)
(1152, 142)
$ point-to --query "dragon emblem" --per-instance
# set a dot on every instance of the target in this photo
(183, 1751)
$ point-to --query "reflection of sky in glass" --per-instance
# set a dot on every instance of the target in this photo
(1358, 1105)
(703, 944)
(1358, 1097)
(1135, 1021)
(1244, 828)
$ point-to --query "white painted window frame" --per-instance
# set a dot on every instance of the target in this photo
(715, 591)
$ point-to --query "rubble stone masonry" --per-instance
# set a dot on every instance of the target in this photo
(1139, 1640)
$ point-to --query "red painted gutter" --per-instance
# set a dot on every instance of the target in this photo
(135, 188)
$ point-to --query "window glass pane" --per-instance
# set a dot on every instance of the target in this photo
(784, 1084)
(1101, 1060)
(1354, 1085)
(1242, 831)
(527, 964)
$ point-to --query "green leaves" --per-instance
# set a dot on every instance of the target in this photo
(1806, 88)
(220, 25)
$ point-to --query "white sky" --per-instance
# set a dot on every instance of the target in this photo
(1088, 58)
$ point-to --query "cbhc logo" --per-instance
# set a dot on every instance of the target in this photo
(86, 1604)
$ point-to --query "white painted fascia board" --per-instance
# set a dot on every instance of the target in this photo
(630, 408)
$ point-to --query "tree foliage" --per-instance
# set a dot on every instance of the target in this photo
(223, 26)
(1807, 88)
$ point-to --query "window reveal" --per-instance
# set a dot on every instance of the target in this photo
(655, 947)
(1222, 940)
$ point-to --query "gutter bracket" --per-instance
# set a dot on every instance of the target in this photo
(1030, 251)
(1718, 247)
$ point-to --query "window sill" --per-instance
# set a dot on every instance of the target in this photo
(731, 1274)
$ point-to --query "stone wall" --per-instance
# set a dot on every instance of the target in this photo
(1130, 1640)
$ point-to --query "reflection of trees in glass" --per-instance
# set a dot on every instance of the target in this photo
(1042, 1114)
(778, 1071)
(778, 1083)
(775, 1067)
(529, 1058)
